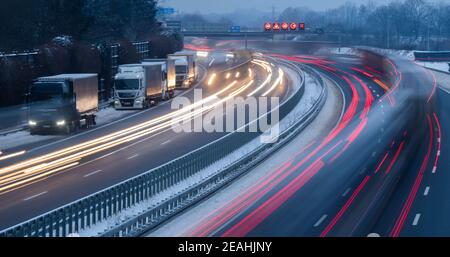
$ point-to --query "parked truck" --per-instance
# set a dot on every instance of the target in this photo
(185, 68)
(63, 103)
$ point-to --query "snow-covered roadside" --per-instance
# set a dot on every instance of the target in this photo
(23, 137)
(318, 129)
(312, 93)
(408, 54)
(440, 66)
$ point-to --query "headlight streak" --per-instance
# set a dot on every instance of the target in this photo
(21, 173)
(277, 82)
(268, 79)
(211, 79)
(4, 157)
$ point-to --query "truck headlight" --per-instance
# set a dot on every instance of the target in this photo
(32, 123)
(60, 123)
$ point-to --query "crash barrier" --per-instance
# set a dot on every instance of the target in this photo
(99, 206)
(432, 56)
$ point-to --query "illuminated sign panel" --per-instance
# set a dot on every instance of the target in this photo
(284, 26)
(276, 26)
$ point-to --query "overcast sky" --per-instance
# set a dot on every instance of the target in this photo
(224, 6)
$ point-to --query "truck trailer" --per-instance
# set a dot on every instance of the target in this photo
(63, 103)
(169, 73)
(185, 68)
(138, 86)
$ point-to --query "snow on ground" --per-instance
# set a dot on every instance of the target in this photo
(441, 66)
(443, 80)
(408, 54)
(312, 93)
(342, 50)
(23, 137)
(319, 128)
(110, 114)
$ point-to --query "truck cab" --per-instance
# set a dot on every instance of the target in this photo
(129, 90)
(185, 69)
(138, 86)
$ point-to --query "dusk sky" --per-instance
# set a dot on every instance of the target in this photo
(223, 6)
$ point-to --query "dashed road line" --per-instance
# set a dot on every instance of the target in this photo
(34, 196)
(320, 220)
(92, 173)
(427, 191)
(346, 192)
(132, 157)
(416, 219)
(166, 142)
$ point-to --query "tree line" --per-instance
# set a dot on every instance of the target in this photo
(409, 24)
(74, 36)
(30, 23)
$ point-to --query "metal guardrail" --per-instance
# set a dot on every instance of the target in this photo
(156, 215)
(95, 208)
(99, 206)
(432, 56)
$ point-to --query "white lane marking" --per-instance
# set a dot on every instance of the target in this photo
(416, 219)
(346, 192)
(320, 220)
(132, 157)
(92, 173)
(116, 151)
(212, 61)
(439, 153)
(439, 140)
(445, 90)
(34, 196)
(427, 190)
(165, 143)
(124, 118)
(434, 169)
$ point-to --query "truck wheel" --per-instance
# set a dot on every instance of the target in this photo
(171, 93)
(166, 96)
(68, 129)
(75, 127)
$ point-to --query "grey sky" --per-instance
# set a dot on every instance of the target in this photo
(223, 6)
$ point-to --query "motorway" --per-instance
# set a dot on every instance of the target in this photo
(380, 171)
(49, 176)
(372, 174)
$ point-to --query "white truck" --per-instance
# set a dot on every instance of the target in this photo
(63, 103)
(169, 73)
(138, 86)
(185, 69)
